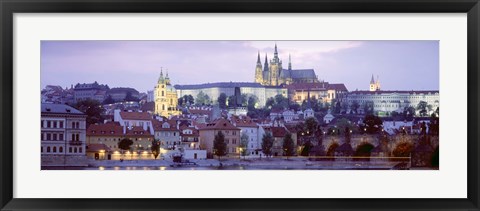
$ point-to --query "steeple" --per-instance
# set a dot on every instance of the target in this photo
(167, 79)
(265, 67)
(258, 59)
(372, 81)
(161, 79)
(275, 55)
(289, 62)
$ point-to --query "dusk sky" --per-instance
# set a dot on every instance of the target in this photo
(400, 65)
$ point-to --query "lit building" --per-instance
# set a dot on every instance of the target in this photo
(232, 136)
(166, 99)
(273, 74)
(213, 90)
(167, 133)
(248, 127)
(321, 91)
(385, 102)
(62, 135)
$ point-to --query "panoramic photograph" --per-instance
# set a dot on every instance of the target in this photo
(239, 105)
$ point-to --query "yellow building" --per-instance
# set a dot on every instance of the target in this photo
(166, 99)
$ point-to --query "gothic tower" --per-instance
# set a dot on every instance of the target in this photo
(258, 71)
(266, 72)
(275, 68)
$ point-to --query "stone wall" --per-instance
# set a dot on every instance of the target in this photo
(62, 160)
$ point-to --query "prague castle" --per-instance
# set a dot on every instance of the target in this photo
(273, 74)
(166, 99)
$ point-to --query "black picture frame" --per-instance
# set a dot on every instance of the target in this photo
(10, 7)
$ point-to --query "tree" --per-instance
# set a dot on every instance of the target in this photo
(219, 145)
(306, 149)
(354, 106)
(155, 148)
(244, 99)
(108, 100)
(244, 144)
(267, 143)
(125, 144)
(336, 107)
(344, 123)
(208, 101)
(281, 101)
(180, 101)
(422, 108)
(222, 101)
(311, 125)
(270, 102)
(409, 112)
(288, 145)
(201, 99)
(188, 99)
(252, 100)
(231, 101)
(294, 106)
(368, 107)
(92, 109)
(373, 123)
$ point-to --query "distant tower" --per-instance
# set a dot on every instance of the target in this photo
(266, 72)
(165, 97)
(275, 68)
(374, 85)
(377, 84)
(289, 62)
(258, 70)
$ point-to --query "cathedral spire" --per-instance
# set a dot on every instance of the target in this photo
(258, 58)
(275, 55)
(289, 62)
(265, 67)
(372, 81)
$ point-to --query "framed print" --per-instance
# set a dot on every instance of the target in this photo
(239, 105)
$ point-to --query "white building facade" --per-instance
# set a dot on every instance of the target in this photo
(63, 136)
(386, 102)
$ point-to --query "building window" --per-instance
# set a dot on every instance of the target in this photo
(41, 150)
(49, 124)
(75, 150)
(70, 149)
(54, 124)
(48, 149)
(61, 124)
(54, 136)
(60, 149)
(41, 136)
(41, 123)
(73, 137)
(80, 150)
(49, 136)
(60, 136)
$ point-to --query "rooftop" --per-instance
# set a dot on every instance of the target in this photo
(59, 109)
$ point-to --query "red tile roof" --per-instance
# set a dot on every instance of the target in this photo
(135, 115)
(158, 125)
(337, 87)
(277, 132)
(220, 124)
(107, 129)
(137, 131)
(243, 121)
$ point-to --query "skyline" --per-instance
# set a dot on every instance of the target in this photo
(400, 65)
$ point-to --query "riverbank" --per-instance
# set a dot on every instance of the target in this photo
(271, 163)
